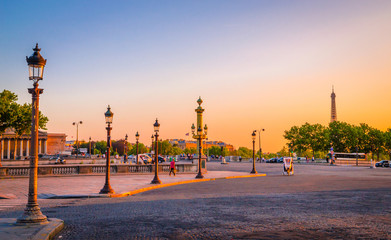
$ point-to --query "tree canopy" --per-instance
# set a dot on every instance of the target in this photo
(342, 136)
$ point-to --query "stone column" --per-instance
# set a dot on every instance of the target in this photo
(9, 149)
(2, 149)
(21, 149)
(27, 148)
(45, 145)
(39, 146)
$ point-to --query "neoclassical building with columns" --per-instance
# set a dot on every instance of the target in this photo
(49, 144)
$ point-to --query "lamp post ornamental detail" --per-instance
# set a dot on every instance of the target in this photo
(109, 119)
(32, 212)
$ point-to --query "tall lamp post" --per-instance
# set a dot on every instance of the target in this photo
(109, 119)
(260, 148)
(137, 138)
(253, 135)
(90, 146)
(77, 136)
(156, 127)
(32, 212)
(125, 148)
(201, 134)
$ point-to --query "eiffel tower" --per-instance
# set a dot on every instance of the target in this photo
(333, 107)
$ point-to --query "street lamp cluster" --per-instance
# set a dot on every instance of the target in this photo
(32, 212)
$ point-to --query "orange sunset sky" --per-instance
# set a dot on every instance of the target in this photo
(256, 64)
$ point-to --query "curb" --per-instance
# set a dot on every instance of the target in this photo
(49, 231)
(133, 192)
(9, 229)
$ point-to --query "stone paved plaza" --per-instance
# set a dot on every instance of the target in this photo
(318, 202)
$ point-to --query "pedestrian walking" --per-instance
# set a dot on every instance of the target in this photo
(172, 168)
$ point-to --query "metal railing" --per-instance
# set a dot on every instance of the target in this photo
(23, 171)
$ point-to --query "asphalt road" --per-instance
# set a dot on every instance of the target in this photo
(318, 202)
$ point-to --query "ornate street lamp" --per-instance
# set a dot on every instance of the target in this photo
(137, 138)
(125, 148)
(253, 137)
(77, 136)
(109, 119)
(201, 134)
(32, 212)
(156, 127)
(260, 148)
(90, 146)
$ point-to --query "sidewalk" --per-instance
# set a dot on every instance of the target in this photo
(14, 191)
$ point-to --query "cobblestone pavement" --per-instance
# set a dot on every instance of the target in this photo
(319, 202)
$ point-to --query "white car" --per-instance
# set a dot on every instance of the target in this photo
(142, 158)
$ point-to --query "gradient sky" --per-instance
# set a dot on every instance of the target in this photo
(256, 64)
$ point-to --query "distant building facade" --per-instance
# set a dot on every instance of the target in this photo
(183, 144)
(20, 147)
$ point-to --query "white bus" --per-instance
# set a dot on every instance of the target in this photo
(351, 159)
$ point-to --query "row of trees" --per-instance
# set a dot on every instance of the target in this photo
(165, 148)
(118, 147)
(17, 116)
(342, 136)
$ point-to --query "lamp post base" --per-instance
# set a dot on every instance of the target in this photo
(106, 190)
(254, 171)
(32, 214)
(156, 180)
(199, 175)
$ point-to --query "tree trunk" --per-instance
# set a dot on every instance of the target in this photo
(378, 156)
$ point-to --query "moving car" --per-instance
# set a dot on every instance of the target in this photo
(383, 163)
(160, 159)
(142, 158)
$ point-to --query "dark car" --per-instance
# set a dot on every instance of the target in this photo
(160, 159)
(383, 163)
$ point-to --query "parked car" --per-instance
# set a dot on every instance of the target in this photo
(272, 160)
(383, 163)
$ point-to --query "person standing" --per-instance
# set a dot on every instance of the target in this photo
(172, 167)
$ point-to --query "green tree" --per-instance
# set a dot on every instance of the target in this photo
(245, 152)
(7, 98)
(191, 151)
(175, 151)
(377, 140)
(343, 136)
(141, 149)
(296, 140)
(387, 142)
(16, 116)
(314, 137)
(101, 146)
